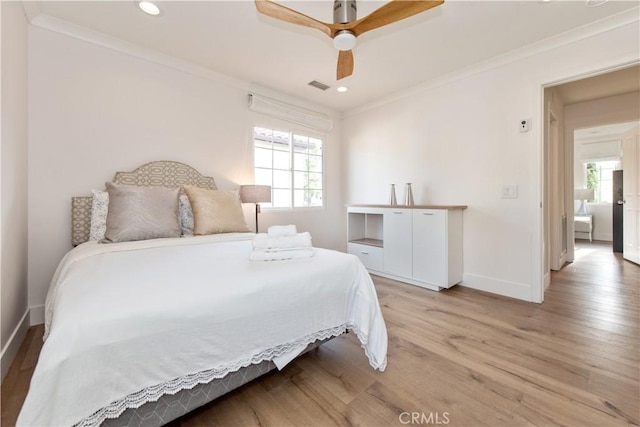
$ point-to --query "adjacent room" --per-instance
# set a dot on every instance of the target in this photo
(269, 213)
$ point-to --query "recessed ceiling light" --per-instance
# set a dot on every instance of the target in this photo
(149, 8)
(342, 89)
(596, 3)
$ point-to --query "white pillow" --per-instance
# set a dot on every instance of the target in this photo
(100, 208)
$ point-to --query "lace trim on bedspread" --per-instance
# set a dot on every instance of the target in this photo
(153, 393)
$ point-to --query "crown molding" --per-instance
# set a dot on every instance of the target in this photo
(31, 9)
(47, 22)
(95, 37)
(576, 34)
(38, 19)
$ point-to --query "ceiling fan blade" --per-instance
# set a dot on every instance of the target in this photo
(283, 13)
(391, 12)
(345, 64)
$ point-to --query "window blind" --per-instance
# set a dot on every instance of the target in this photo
(291, 113)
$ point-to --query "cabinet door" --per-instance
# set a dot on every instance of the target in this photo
(397, 242)
(430, 246)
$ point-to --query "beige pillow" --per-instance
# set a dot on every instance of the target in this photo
(140, 213)
(215, 211)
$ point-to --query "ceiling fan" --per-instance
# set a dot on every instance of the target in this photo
(346, 27)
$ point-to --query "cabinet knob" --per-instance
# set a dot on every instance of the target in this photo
(396, 212)
(427, 213)
(364, 252)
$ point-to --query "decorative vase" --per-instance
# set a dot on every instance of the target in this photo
(409, 196)
(392, 200)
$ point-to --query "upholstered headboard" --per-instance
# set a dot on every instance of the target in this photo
(153, 174)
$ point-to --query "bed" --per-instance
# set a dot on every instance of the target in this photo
(142, 332)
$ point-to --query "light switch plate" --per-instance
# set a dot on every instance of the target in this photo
(509, 191)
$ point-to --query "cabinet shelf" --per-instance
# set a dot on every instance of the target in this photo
(369, 242)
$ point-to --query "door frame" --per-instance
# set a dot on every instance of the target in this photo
(539, 167)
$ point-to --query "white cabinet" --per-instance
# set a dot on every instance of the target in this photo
(437, 246)
(366, 237)
(421, 245)
(371, 256)
(583, 226)
(397, 242)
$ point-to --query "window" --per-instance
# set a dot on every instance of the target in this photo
(600, 179)
(291, 164)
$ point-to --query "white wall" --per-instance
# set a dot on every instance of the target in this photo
(602, 217)
(13, 167)
(94, 111)
(458, 141)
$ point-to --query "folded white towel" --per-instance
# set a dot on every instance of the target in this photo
(280, 254)
(300, 240)
(282, 230)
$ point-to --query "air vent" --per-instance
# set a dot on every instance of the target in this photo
(319, 85)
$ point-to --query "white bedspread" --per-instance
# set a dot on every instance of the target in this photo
(129, 322)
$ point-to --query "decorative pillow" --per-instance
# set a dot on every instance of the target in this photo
(139, 213)
(99, 208)
(216, 211)
(186, 215)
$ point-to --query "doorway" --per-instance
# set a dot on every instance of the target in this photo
(598, 159)
(579, 106)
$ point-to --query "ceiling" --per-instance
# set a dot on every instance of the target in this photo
(231, 38)
(609, 84)
(603, 133)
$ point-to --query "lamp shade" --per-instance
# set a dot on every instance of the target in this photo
(583, 194)
(255, 193)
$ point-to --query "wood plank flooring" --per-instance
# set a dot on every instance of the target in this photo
(458, 357)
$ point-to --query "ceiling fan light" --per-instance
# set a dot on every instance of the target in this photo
(344, 40)
(149, 8)
(596, 3)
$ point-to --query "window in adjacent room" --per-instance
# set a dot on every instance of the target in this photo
(291, 163)
(600, 179)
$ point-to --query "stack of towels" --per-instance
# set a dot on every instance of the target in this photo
(281, 242)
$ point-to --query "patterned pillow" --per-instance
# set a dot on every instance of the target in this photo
(100, 208)
(186, 215)
(141, 213)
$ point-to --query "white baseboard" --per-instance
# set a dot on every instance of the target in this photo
(603, 237)
(11, 348)
(496, 286)
(547, 280)
(37, 315)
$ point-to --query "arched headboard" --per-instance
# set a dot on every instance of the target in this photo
(162, 173)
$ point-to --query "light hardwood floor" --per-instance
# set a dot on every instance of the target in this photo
(462, 356)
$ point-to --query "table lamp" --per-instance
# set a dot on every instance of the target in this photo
(255, 194)
(583, 194)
